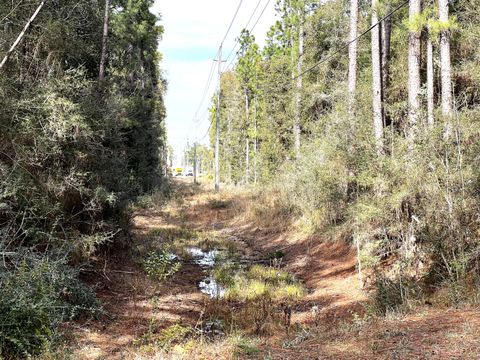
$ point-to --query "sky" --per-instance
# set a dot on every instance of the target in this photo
(193, 32)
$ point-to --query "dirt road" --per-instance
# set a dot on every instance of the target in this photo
(330, 322)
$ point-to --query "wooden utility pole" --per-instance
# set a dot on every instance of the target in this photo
(217, 123)
(21, 35)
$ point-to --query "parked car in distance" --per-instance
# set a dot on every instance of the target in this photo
(178, 172)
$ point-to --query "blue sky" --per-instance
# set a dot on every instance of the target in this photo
(193, 31)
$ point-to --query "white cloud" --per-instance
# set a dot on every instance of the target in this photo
(193, 31)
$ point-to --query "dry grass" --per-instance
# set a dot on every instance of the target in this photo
(327, 323)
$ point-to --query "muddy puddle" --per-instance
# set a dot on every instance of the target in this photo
(207, 260)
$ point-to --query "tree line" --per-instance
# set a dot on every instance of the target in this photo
(82, 134)
(364, 115)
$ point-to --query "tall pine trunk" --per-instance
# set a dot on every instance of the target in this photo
(228, 147)
(445, 66)
(247, 141)
(298, 94)
(352, 57)
(386, 46)
(377, 80)
(255, 141)
(103, 57)
(430, 83)
(414, 83)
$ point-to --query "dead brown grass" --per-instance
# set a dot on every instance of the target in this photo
(329, 323)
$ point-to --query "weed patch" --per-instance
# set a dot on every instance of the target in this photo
(161, 264)
(155, 338)
(34, 299)
(266, 296)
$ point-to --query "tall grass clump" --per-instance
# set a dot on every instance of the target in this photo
(263, 293)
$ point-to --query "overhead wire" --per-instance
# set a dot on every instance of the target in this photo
(208, 131)
(231, 22)
(210, 76)
(207, 86)
(340, 49)
(251, 30)
(335, 53)
(236, 43)
(246, 26)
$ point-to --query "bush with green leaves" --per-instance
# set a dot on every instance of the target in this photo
(35, 297)
(316, 185)
(394, 295)
(161, 264)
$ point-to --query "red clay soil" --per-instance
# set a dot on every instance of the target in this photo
(327, 313)
(339, 329)
(129, 298)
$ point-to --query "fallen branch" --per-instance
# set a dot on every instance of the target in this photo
(22, 34)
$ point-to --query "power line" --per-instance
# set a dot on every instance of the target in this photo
(207, 86)
(208, 131)
(231, 22)
(251, 30)
(261, 14)
(352, 41)
(210, 75)
(246, 26)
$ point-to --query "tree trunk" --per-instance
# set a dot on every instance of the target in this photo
(377, 81)
(298, 95)
(430, 83)
(414, 83)
(217, 123)
(445, 65)
(228, 157)
(21, 35)
(247, 160)
(255, 141)
(386, 45)
(247, 144)
(352, 57)
(103, 57)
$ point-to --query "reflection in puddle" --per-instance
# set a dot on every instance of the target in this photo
(210, 287)
(203, 258)
(207, 259)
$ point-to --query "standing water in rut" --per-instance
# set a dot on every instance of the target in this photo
(207, 260)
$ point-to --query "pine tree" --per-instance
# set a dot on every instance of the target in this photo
(377, 80)
(352, 56)
(414, 83)
(445, 64)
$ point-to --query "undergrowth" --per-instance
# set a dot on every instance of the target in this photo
(35, 296)
(265, 297)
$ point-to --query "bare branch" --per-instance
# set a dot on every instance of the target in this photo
(22, 34)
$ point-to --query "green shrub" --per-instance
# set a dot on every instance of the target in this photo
(160, 264)
(394, 295)
(265, 292)
(163, 338)
(34, 298)
(316, 185)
